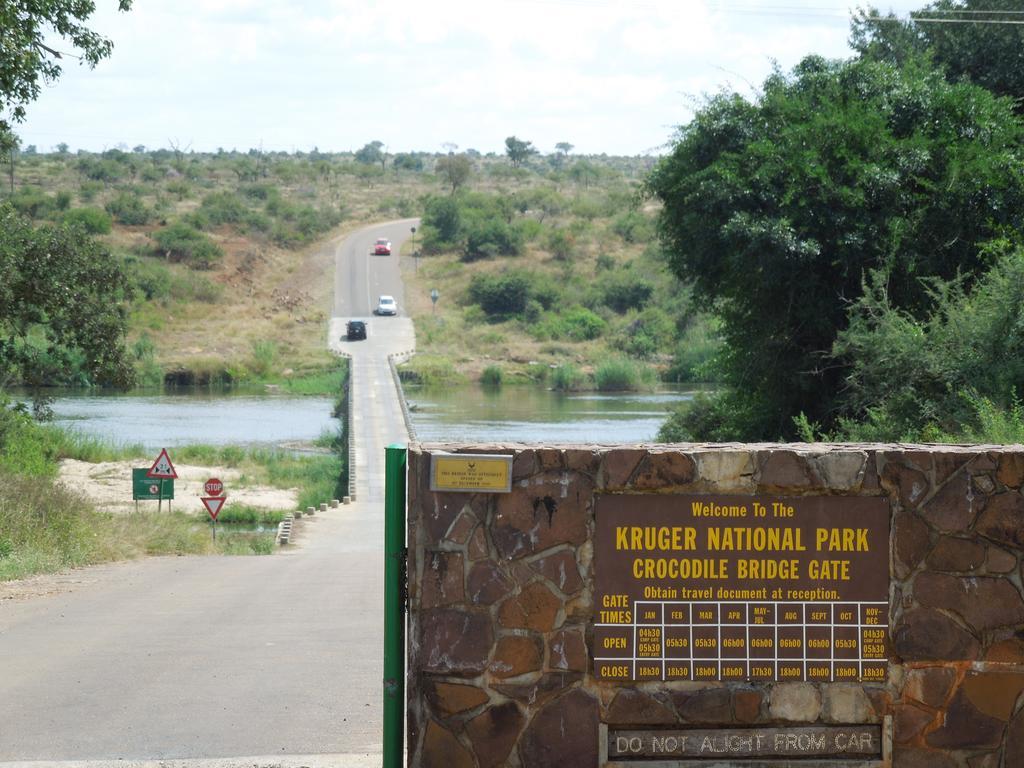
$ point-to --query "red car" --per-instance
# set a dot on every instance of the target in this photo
(382, 247)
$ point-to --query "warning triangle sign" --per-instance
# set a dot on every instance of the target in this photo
(213, 505)
(162, 467)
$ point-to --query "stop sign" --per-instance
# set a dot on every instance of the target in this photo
(213, 487)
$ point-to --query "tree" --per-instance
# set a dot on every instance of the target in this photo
(62, 299)
(26, 61)
(564, 148)
(372, 153)
(454, 169)
(518, 151)
(777, 210)
(988, 54)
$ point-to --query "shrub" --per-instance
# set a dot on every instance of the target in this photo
(93, 220)
(129, 209)
(633, 227)
(223, 208)
(501, 295)
(617, 375)
(180, 242)
(491, 376)
(624, 290)
(575, 324)
(30, 202)
(566, 378)
(561, 244)
(649, 333)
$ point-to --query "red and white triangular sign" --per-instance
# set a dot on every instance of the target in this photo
(162, 467)
(213, 505)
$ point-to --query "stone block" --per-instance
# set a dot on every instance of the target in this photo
(494, 732)
(906, 757)
(929, 685)
(780, 468)
(618, 466)
(448, 699)
(560, 569)
(583, 460)
(453, 642)
(438, 517)
(535, 608)
(487, 584)
(442, 582)
(1000, 561)
(441, 749)
(633, 707)
(549, 459)
(542, 515)
(845, 703)
(842, 470)
(984, 602)
(549, 685)
(794, 702)
(664, 469)
(563, 734)
(460, 530)
(728, 470)
(567, 649)
(515, 655)
(747, 705)
(909, 721)
(987, 760)
(1003, 519)
(954, 507)
(963, 726)
(946, 464)
(956, 554)
(711, 705)
(908, 485)
(1014, 746)
(524, 465)
(923, 634)
(477, 547)
(911, 537)
(1011, 469)
(993, 693)
(1009, 651)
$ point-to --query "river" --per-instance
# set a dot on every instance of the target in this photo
(462, 414)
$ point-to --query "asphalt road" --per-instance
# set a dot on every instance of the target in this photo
(228, 661)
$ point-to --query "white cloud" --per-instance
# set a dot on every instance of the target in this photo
(606, 75)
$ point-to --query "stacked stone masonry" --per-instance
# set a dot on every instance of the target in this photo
(500, 589)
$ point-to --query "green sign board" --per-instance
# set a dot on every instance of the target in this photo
(148, 488)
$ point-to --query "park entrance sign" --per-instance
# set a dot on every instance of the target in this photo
(761, 605)
(703, 587)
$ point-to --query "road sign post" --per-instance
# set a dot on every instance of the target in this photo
(434, 296)
(161, 470)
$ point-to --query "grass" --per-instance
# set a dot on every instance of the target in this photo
(622, 375)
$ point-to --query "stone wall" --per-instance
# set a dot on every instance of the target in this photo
(501, 607)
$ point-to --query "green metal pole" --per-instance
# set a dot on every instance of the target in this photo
(394, 605)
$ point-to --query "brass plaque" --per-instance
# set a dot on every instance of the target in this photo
(471, 472)
(758, 588)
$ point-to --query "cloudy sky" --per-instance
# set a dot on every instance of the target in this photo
(605, 75)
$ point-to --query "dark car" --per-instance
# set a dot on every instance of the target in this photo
(355, 329)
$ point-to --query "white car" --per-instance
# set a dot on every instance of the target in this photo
(386, 305)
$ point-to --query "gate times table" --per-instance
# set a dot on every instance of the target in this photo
(670, 640)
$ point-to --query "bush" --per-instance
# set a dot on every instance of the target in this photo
(490, 236)
(561, 244)
(180, 242)
(650, 333)
(92, 220)
(633, 227)
(618, 375)
(575, 324)
(129, 209)
(501, 295)
(491, 376)
(566, 378)
(624, 290)
(31, 202)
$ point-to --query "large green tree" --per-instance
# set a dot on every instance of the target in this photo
(28, 61)
(778, 209)
(978, 40)
(63, 305)
(518, 150)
